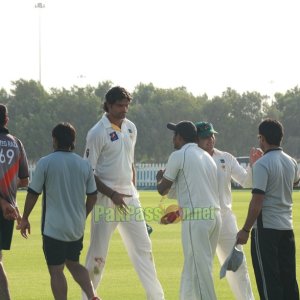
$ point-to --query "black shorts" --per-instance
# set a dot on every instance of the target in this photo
(6, 232)
(57, 252)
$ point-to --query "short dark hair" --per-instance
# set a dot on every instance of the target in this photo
(65, 135)
(3, 114)
(115, 94)
(272, 130)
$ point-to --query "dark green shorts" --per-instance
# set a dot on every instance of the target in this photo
(6, 232)
(57, 252)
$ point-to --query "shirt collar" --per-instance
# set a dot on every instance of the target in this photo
(188, 144)
(62, 150)
(4, 130)
(216, 152)
(273, 149)
(107, 123)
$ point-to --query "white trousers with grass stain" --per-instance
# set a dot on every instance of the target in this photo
(133, 231)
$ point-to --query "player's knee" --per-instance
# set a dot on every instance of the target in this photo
(71, 264)
(55, 270)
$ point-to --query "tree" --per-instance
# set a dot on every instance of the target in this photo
(236, 118)
(29, 116)
(151, 112)
(80, 107)
(4, 97)
(289, 106)
(102, 89)
(34, 112)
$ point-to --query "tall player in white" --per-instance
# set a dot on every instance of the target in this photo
(110, 150)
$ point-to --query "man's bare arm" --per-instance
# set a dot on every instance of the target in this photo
(30, 202)
(254, 210)
(23, 182)
(24, 225)
(163, 184)
(90, 202)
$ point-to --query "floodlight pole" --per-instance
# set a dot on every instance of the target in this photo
(40, 6)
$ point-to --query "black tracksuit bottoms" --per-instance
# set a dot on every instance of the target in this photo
(274, 263)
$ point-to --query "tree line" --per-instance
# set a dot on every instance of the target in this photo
(34, 111)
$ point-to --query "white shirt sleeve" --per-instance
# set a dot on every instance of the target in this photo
(91, 184)
(241, 175)
(93, 148)
(172, 194)
(134, 136)
(297, 174)
(134, 140)
(174, 165)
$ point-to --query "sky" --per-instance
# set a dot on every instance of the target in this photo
(204, 45)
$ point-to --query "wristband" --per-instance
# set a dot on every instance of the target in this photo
(245, 230)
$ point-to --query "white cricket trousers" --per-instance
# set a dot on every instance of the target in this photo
(239, 281)
(135, 238)
(199, 241)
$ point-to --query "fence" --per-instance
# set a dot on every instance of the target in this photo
(31, 169)
(145, 175)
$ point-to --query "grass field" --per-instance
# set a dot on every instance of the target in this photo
(29, 279)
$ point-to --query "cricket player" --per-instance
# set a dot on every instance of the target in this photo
(228, 168)
(13, 174)
(110, 150)
(195, 176)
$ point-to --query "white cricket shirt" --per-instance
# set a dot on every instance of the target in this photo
(111, 153)
(229, 168)
(195, 174)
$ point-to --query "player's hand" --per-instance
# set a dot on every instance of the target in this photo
(160, 175)
(118, 200)
(242, 237)
(255, 154)
(24, 228)
(8, 210)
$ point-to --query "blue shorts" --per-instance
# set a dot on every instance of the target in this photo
(57, 252)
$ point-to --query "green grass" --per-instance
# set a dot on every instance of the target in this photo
(29, 279)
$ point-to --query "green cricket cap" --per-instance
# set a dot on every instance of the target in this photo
(205, 129)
